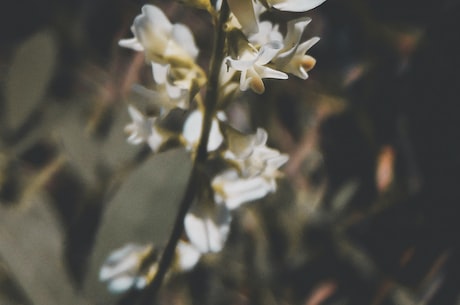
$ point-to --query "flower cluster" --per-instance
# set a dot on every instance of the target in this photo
(128, 267)
(260, 50)
(237, 167)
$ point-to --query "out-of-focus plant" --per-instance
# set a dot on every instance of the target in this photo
(230, 167)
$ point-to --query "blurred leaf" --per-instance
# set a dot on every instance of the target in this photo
(142, 211)
(29, 75)
(31, 244)
(87, 154)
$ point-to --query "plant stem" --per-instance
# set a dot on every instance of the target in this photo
(212, 91)
(210, 105)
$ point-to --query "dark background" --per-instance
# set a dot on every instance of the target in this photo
(367, 212)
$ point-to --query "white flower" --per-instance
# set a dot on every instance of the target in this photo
(232, 190)
(121, 270)
(144, 130)
(254, 158)
(257, 169)
(253, 69)
(135, 266)
(207, 226)
(192, 131)
(158, 38)
(292, 58)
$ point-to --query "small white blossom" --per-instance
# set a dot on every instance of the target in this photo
(292, 58)
(257, 170)
(255, 158)
(124, 268)
(232, 190)
(121, 270)
(252, 66)
(158, 38)
(144, 130)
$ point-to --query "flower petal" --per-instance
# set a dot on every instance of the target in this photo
(234, 191)
(295, 5)
(244, 12)
(295, 30)
(187, 255)
(266, 72)
(141, 127)
(208, 230)
(121, 284)
(181, 33)
(192, 131)
(267, 32)
(268, 51)
(240, 64)
(160, 72)
(131, 43)
(152, 29)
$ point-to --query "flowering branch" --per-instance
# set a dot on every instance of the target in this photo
(241, 168)
(192, 188)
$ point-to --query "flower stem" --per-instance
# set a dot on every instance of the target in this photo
(212, 91)
(210, 105)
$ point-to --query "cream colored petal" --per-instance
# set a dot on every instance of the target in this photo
(267, 32)
(187, 255)
(300, 63)
(295, 29)
(141, 127)
(184, 36)
(121, 284)
(268, 51)
(244, 12)
(208, 230)
(235, 191)
(131, 43)
(295, 5)
(152, 29)
(266, 72)
(156, 140)
(305, 46)
(160, 72)
(240, 64)
(191, 132)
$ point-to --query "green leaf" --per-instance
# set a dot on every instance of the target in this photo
(29, 74)
(31, 245)
(142, 211)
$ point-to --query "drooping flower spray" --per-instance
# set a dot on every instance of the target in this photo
(230, 167)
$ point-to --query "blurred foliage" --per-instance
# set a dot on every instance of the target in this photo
(365, 215)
